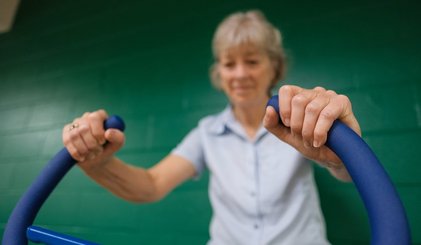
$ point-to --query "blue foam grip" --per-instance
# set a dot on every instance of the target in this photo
(388, 221)
(28, 206)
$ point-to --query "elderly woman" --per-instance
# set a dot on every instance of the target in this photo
(261, 186)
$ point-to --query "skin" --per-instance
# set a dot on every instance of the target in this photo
(246, 74)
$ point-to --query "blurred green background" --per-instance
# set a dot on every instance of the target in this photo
(148, 61)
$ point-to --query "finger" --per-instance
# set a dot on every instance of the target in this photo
(68, 143)
(88, 138)
(298, 104)
(286, 93)
(319, 89)
(74, 153)
(311, 116)
(97, 125)
(271, 123)
(77, 142)
(347, 116)
(327, 116)
(271, 119)
(115, 140)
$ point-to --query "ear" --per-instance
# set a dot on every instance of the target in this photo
(214, 75)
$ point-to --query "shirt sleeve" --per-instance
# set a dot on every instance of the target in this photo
(191, 149)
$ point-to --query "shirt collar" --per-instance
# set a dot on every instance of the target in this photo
(220, 125)
(226, 123)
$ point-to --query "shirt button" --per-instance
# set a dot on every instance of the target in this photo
(256, 226)
(253, 194)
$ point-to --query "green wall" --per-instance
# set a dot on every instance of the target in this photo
(148, 62)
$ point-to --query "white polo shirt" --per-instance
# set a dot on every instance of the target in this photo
(262, 191)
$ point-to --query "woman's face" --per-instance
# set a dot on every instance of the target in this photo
(246, 73)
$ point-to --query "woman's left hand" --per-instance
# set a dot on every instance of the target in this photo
(307, 115)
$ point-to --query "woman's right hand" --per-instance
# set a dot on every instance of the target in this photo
(88, 142)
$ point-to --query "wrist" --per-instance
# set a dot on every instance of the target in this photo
(95, 167)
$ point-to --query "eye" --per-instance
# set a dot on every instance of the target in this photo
(228, 64)
(252, 62)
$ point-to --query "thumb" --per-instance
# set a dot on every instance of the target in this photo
(271, 123)
(115, 140)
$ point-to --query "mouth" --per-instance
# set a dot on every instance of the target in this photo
(241, 89)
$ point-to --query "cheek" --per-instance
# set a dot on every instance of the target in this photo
(224, 79)
(224, 75)
(270, 74)
(265, 79)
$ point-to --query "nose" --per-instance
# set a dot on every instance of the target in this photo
(240, 71)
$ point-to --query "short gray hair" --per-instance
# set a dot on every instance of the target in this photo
(249, 27)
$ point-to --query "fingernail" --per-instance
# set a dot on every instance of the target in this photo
(265, 116)
(286, 122)
(316, 144)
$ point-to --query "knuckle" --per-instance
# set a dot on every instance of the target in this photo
(312, 108)
(83, 129)
(73, 135)
(327, 115)
(319, 89)
(102, 113)
(97, 115)
(331, 93)
(93, 115)
(299, 99)
(285, 89)
(344, 99)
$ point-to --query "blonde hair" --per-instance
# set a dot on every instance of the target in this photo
(249, 27)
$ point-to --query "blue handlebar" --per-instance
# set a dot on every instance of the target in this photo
(387, 217)
(388, 221)
(28, 206)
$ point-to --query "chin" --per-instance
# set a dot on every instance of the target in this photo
(242, 101)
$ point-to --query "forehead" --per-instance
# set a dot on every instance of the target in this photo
(243, 50)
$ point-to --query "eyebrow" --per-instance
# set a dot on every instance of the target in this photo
(247, 53)
(252, 53)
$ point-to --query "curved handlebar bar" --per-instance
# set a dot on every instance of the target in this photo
(387, 217)
(28, 206)
(388, 221)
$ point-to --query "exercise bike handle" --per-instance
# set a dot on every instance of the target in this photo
(29, 204)
(387, 217)
(388, 221)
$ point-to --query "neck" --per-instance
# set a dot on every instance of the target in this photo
(250, 117)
